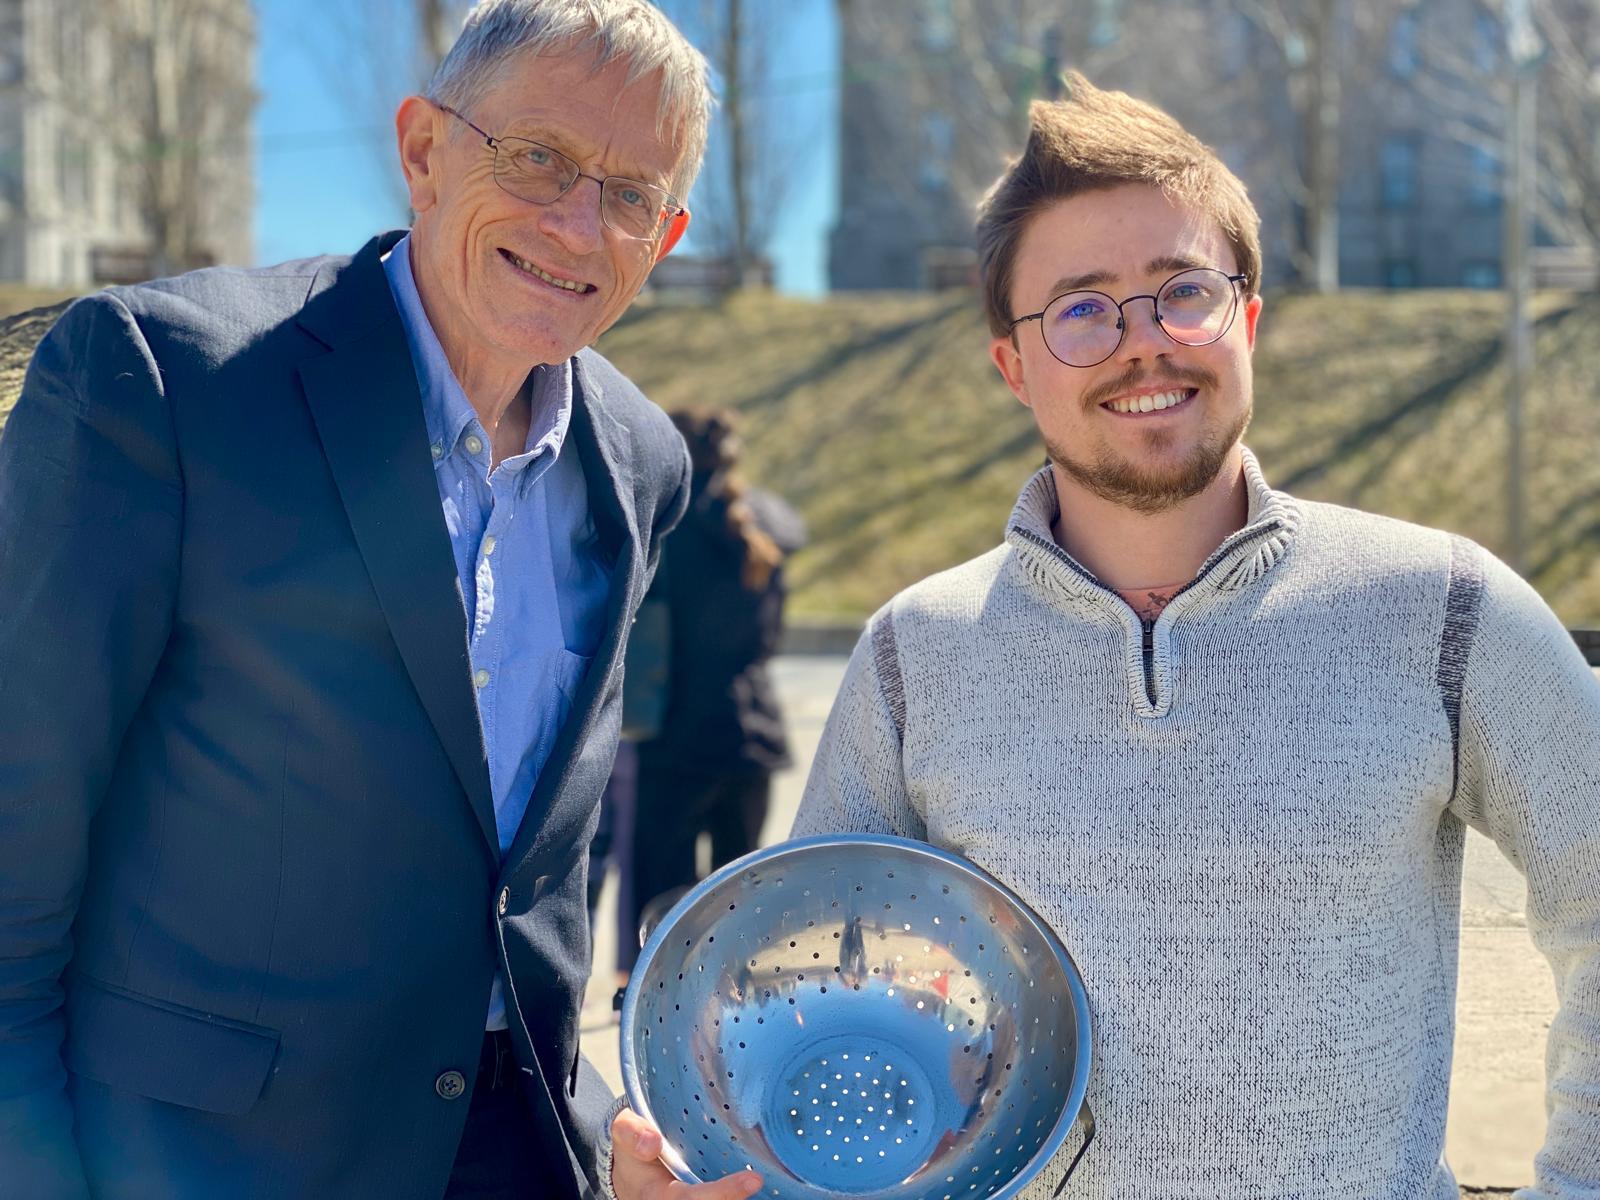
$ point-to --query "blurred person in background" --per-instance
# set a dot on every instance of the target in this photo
(315, 581)
(708, 769)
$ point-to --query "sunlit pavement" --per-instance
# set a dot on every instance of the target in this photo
(1506, 1003)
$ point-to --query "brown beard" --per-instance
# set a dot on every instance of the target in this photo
(1154, 491)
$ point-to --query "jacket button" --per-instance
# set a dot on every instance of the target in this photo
(505, 900)
(450, 1085)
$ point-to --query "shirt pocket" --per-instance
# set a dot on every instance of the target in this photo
(559, 677)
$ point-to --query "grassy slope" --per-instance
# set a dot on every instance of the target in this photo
(882, 418)
(25, 314)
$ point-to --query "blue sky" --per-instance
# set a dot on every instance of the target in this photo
(325, 164)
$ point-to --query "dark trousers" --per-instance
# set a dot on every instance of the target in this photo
(497, 1158)
(674, 807)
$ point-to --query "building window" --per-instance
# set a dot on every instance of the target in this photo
(1400, 272)
(63, 149)
(938, 25)
(1480, 273)
(1483, 180)
(1107, 27)
(1397, 168)
(1488, 42)
(1403, 44)
(938, 136)
(1237, 35)
(72, 171)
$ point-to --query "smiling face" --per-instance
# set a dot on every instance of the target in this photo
(1155, 423)
(509, 284)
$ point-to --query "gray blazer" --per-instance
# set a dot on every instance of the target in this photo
(250, 898)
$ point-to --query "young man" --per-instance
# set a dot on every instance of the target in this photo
(315, 583)
(1225, 741)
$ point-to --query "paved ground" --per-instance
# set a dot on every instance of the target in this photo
(1506, 1002)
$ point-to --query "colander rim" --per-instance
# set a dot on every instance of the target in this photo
(1077, 1092)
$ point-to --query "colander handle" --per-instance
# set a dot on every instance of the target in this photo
(1087, 1121)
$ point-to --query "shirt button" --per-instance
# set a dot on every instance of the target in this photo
(505, 900)
(436, 450)
(480, 678)
(474, 444)
(451, 1085)
(488, 543)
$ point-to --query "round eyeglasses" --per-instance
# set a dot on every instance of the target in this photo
(1193, 308)
(539, 174)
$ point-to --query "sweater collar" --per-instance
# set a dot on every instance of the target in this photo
(1271, 520)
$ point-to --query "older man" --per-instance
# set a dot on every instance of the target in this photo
(315, 583)
(1227, 742)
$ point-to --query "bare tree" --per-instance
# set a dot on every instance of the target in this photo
(744, 182)
(1312, 53)
(1569, 126)
(740, 59)
(176, 116)
(1264, 81)
(1286, 87)
(936, 94)
(436, 31)
(401, 43)
(1465, 78)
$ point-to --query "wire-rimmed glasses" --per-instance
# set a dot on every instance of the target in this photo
(1193, 308)
(540, 174)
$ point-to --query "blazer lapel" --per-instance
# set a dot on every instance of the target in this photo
(367, 408)
(606, 449)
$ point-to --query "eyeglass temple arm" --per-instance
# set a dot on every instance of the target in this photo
(489, 139)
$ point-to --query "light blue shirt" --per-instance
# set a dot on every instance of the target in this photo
(532, 579)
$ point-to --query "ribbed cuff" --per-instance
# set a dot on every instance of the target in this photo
(607, 1150)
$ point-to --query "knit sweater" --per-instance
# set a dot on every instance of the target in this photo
(1249, 833)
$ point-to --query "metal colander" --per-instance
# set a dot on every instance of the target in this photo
(855, 1015)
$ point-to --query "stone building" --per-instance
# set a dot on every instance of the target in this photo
(126, 148)
(924, 125)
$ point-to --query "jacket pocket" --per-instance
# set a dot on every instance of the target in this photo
(165, 1051)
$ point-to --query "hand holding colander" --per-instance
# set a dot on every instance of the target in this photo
(858, 1015)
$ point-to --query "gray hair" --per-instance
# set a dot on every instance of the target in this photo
(631, 31)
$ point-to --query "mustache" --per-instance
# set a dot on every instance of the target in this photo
(1135, 377)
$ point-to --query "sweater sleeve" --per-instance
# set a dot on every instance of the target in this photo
(1529, 777)
(857, 782)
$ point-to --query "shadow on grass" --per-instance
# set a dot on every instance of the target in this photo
(641, 317)
(1423, 406)
(913, 339)
(847, 547)
(1576, 534)
(19, 334)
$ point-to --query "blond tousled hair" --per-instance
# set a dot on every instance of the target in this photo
(1096, 139)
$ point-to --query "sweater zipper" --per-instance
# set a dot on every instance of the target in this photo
(1149, 648)
(1148, 636)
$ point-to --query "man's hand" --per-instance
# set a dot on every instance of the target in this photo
(637, 1172)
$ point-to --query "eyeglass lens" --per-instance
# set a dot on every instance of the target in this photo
(541, 175)
(1085, 328)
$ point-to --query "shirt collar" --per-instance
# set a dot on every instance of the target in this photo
(445, 407)
(551, 401)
